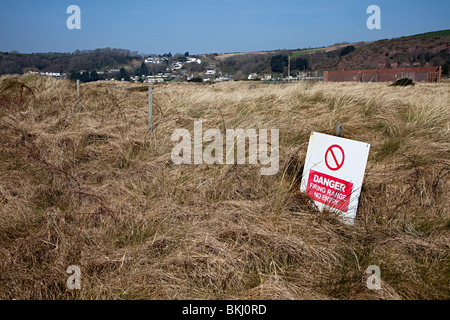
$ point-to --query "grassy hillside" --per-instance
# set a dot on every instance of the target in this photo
(95, 189)
(430, 49)
(441, 33)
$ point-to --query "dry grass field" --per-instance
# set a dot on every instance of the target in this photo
(95, 189)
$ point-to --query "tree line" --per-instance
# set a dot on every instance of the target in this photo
(83, 65)
(99, 59)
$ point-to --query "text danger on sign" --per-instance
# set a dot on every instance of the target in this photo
(331, 191)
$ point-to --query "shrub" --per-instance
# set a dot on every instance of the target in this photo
(403, 82)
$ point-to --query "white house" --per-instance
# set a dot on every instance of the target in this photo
(211, 71)
(177, 66)
(193, 60)
(153, 60)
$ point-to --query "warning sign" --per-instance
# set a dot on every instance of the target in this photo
(333, 173)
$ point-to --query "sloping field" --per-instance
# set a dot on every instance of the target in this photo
(96, 190)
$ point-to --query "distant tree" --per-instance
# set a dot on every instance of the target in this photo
(250, 67)
(75, 76)
(239, 75)
(123, 74)
(9, 66)
(94, 76)
(278, 62)
(186, 54)
(299, 64)
(67, 62)
(85, 77)
(143, 70)
(346, 50)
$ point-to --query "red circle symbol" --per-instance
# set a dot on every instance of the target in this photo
(334, 157)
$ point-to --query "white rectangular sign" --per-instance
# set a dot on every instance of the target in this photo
(333, 173)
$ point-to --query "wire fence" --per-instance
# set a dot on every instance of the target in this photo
(281, 126)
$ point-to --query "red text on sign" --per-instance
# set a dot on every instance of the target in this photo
(332, 191)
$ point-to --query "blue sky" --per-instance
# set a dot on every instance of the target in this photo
(208, 26)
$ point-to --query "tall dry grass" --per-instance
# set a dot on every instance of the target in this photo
(95, 189)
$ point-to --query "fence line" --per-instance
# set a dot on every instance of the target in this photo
(342, 128)
(238, 115)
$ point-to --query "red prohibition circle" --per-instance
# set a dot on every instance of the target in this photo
(336, 165)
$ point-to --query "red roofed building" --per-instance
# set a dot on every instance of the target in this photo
(423, 74)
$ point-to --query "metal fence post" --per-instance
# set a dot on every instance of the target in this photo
(150, 108)
(338, 129)
(78, 95)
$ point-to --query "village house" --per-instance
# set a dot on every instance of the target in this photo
(193, 60)
(155, 60)
(177, 66)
